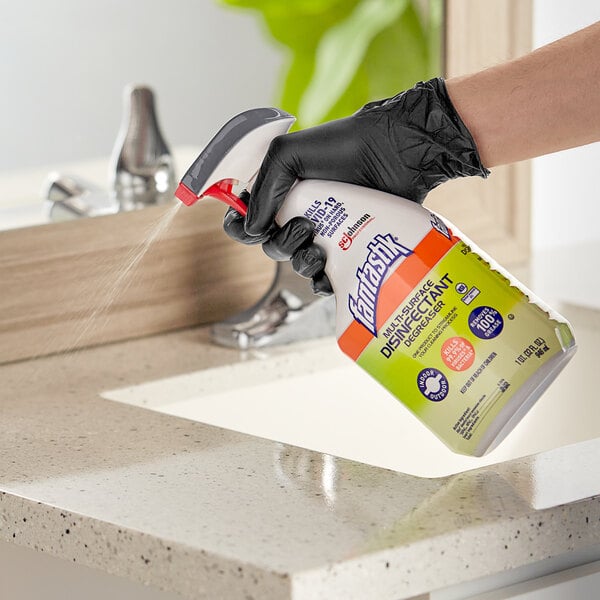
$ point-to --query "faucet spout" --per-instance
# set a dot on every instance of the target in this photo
(141, 171)
(288, 312)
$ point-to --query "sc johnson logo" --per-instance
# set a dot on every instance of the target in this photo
(349, 235)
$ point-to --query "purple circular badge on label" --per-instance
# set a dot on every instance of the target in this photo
(432, 384)
(486, 322)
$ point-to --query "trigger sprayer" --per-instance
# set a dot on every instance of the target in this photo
(461, 343)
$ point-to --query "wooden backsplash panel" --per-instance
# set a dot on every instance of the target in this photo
(57, 282)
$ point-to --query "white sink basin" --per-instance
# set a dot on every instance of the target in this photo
(313, 397)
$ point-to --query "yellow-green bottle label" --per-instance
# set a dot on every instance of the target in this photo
(458, 343)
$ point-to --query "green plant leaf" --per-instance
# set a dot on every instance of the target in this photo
(355, 96)
(348, 52)
(297, 24)
(435, 37)
(284, 6)
(294, 83)
(340, 54)
(397, 57)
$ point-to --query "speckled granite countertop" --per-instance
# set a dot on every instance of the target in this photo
(210, 513)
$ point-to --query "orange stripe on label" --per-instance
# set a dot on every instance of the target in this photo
(354, 340)
(396, 288)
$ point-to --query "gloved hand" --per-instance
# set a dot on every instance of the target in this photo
(405, 145)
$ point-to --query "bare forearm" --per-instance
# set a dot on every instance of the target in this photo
(546, 101)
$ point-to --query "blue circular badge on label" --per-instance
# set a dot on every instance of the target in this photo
(432, 384)
(486, 322)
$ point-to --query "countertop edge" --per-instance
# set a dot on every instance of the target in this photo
(460, 555)
(133, 554)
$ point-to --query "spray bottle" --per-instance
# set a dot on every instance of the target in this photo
(461, 343)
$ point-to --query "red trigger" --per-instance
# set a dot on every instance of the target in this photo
(222, 191)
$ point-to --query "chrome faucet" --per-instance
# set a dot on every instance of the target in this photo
(141, 168)
(288, 312)
(141, 171)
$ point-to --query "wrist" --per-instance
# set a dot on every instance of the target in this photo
(459, 154)
(465, 140)
(465, 143)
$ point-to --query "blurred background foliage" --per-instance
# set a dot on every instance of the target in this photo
(345, 53)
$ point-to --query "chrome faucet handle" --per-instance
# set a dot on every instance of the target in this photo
(141, 169)
(288, 312)
(68, 197)
(58, 186)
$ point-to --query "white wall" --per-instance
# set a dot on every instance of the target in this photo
(63, 65)
(566, 195)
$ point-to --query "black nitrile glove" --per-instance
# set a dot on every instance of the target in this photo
(405, 145)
